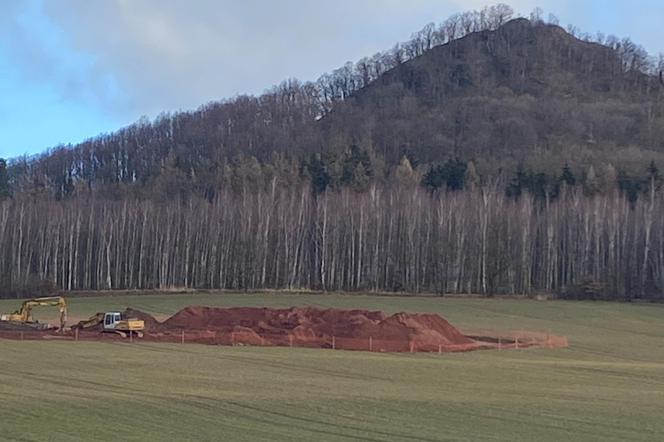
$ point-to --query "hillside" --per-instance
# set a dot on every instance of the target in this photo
(519, 92)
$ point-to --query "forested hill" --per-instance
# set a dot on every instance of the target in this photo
(485, 155)
(506, 96)
(520, 91)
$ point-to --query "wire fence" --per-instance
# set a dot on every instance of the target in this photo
(477, 340)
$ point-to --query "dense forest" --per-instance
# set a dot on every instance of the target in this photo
(488, 154)
(386, 239)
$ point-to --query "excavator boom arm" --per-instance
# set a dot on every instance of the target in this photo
(24, 314)
(91, 322)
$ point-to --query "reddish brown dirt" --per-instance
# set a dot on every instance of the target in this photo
(303, 327)
(310, 327)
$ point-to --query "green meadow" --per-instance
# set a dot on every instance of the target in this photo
(607, 386)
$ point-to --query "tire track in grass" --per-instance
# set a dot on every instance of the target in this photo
(272, 417)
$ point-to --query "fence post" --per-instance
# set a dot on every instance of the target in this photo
(440, 349)
(334, 343)
(233, 339)
(370, 343)
(412, 347)
(131, 337)
(500, 343)
(182, 337)
(76, 333)
(516, 342)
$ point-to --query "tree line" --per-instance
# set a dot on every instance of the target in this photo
(388, 238)
(359, 169)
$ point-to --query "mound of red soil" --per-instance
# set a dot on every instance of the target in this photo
(306, 327)
(343, 329)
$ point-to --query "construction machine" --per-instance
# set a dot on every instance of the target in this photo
(113, 322)
(24, 316)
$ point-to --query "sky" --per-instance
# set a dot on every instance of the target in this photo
(72, 69)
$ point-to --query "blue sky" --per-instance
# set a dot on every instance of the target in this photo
(72, 69)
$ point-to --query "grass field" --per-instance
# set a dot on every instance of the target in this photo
(609, 385)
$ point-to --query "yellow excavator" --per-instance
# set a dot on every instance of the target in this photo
(113, 322)
(24, 314)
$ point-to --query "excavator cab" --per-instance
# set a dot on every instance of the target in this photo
(116, 322)
(111, 320)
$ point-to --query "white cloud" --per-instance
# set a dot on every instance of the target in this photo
(174, 54)
(178, 54)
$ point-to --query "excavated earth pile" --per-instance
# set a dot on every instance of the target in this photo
(305, 327)
(310, 327)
